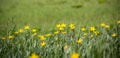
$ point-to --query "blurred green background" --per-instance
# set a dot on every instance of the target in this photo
(44, 14)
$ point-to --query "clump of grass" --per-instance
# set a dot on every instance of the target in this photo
(77, 6)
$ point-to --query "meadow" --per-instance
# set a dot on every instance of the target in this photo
(59, 29)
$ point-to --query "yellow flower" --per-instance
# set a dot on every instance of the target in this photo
(66, 47)
(83, 29)
(33, 30)
(107, 26)
(64, 32)
(85, 34)
(63, 25)
(41, 37)
(75, 55)
(118, 22)
(79, 41)
(61, 28)
(58, 25)
(91, 36)
(56, 38)
(92, 28)
(21, 30)
(48, 35)
(34, 34)
(102, 24)
(3, 38)
(26, 27)
(56, 32)
(43, 44)
(34, 56)
(16, 32)
(10, 37)
(114, 35)
(72, 26)
(96, 32)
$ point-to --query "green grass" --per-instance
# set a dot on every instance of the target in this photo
(100, 45)
(43, 15)
(46, 13)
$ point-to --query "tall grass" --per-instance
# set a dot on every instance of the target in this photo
(87, 42)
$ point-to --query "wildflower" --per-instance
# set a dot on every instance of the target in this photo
(85, 34)
(107, 26)
(66, 47)
(72, 26)
(41, 37)
(114, 35)
(61, 28)
(34, 34)
(56, 32)
(10, 37)
(26, 27)
(63, 25)
(118, 22)
(34, 56)
(79, 41)
(3, 38)
(91, 36)
(64, 32)
(16, 32)
(75, 55)
(48, 35)
(21, 30)
(43, 44)
(33, 30)
(102, 24)
(56, 38)
(83, 29)
(96, 32)
(58, 25)
(92, 28)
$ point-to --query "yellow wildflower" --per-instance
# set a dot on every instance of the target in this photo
(21, 30)
(33, 30)
(10, 37)
(85, 34)
(102, 24)
(66, 47)
(79, 41)
(3, 38)
(118, 22)
(26, 27)
(72, 26)
(107, 26)
(114, 35)
(58, 25)
(64, 32)
(96, 32)
(41, 37)
(92, 28)
(61, 28)
(34, 34)
(56, 38)
(48, 35)
(56, 32)
(63, 25)
(16, 32)
(91, 36)
(83, 29)
(75, 55)
(43, 44)
(34, 56)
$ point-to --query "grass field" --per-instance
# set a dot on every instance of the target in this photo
(46, 13)
(69, 16)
